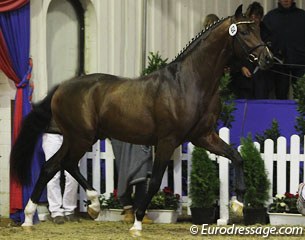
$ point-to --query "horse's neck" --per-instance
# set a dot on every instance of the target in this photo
(209, 59)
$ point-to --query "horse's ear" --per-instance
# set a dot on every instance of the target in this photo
(239, 11)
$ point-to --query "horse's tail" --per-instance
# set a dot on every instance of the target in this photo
(33, 125)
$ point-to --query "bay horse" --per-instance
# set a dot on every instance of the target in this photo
(177, 103)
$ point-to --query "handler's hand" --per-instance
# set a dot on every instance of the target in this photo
(245, 71)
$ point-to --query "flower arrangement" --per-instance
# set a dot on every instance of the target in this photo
(112, 202)
(165, 199)
(284, 203)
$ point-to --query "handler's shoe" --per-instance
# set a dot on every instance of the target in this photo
(128, 215)
(58, 220)
(301, 200)
(72, 218)
(147, 220)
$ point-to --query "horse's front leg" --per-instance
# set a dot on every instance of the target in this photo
(215, 144)
(164, 151)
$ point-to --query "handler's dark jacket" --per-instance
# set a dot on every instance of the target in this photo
(256, 87)
(287, 27)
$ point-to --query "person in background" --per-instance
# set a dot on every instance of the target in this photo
(286, 24)
(62, 205)
(209, 19)
(247, 84)
(134, 164)
(301, 199)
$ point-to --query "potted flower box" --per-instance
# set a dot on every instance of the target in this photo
(110, 215)
(162, 215)
(163, 207)
(111, 208)
(283, 210)
(286, 219)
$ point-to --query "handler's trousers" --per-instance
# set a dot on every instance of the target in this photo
(59, 205)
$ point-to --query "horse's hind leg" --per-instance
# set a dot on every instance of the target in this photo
(92, 195)
(215, 144)
(48, 170)
(79, 149)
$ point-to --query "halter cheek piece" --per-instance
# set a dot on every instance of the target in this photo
(233, 31)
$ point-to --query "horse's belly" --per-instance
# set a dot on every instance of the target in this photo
(129, 130)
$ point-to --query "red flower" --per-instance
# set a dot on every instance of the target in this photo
(115, 193)
(289, 195)
(167, 190)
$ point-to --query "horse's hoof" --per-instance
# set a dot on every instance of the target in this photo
(135, 233)
(27, 228)
(92, 213)
(27, 224)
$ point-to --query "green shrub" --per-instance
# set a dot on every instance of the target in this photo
(272, 133)
(155, 62)
(227, 102)
(256, 180)
(204, 185)
(299, 95)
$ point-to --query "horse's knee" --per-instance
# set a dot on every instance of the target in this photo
(154, 186)
(236, 157)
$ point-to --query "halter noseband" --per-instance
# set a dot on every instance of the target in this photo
(248, 52)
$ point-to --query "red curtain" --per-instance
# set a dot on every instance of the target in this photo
(5, 63)
(9, 5)
(6, 67)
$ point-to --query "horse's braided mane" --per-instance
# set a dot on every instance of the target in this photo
(195, 40)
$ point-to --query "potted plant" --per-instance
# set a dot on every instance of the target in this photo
(283, 210)
(257, 183)
(163, 206)
(204, 187)
(272, 133)
(111, 208)
(299, 96)
(228, 105)
(155, 62)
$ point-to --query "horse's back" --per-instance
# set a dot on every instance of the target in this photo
(103, 105)
(73, 105)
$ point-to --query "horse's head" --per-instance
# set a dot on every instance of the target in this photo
(247, 42)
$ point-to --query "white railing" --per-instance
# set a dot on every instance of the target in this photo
(282, 157)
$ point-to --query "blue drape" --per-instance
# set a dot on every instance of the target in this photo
(15, 26)
(255, 116)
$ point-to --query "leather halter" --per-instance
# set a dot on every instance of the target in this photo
(248, 52)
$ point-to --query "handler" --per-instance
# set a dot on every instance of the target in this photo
(62, 204)
(301, 199)
(134, 164)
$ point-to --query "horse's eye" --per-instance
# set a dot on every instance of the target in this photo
(246, 32)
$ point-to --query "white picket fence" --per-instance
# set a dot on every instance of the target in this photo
(282, 157)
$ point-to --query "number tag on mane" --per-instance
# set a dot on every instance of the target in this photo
(233, 29)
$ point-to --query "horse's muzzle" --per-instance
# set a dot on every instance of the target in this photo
(265, 59)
